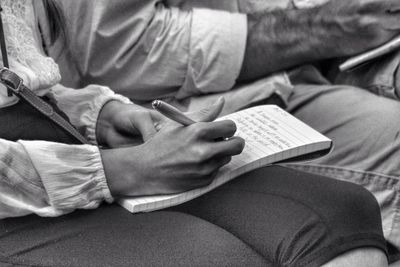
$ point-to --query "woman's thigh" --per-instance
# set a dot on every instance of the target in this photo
(293, 218)
(111, 236)
(270, 217)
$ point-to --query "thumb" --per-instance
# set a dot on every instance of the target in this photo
(209, 113)
(145, 124)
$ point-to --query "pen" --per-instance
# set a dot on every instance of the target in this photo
(175, 114)
(366, 57)
(172, 112)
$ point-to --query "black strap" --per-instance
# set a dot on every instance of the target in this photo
(15, 85)
(3, 47)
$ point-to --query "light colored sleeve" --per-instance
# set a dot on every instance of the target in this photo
(143, 49)
(50, 179)
(308, 3)
(216, 50)
(84, 105)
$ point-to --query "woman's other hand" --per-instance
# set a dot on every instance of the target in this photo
(121, 124)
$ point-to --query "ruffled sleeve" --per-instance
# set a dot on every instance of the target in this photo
(83, 106)
(50, 179)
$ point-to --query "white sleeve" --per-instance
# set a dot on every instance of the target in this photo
(84, 105)
(50, 179)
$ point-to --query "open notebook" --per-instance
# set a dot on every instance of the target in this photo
(272, 135)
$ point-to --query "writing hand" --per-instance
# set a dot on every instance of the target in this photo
(122, 125)
(175, 160)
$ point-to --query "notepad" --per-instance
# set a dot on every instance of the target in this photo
(272, 135)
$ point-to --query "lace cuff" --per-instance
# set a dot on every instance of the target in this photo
(84, 105)
(72, 175)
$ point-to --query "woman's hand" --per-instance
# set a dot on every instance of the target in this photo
(126, 124)
(172, 158)
(175, 159)
(129, 124)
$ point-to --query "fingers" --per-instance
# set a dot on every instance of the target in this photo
(379, 6)
(209, 113)
(231, 147)
(215, 130)
(393, 6)
(158, 119)
(120, 140)
(391, 19)
(215, 150)
(391, 23)
(145, 125)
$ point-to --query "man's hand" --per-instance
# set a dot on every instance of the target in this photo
(282, 39)
(358, 25)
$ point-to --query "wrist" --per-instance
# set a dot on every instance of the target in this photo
(122, 171)
(115, 172)
(105, 120)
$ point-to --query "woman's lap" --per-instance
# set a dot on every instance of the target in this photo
(110, 236)
(299, 218)
(273, 216)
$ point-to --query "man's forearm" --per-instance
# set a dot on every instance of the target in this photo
(282, 39)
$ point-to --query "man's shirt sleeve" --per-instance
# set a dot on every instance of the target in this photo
(143, 49)
(216, 50)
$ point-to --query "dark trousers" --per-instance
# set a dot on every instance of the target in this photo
(269, 217)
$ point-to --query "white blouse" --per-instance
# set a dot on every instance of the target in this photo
(47, 178)
(203, 50)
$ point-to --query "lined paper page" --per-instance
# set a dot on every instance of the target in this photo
(271, 135)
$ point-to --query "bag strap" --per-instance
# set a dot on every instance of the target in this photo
(15, 85)
(3, 47)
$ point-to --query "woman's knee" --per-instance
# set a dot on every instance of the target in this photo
(353, 207)
(348, 219)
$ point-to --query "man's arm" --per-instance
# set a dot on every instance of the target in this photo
(285, 38)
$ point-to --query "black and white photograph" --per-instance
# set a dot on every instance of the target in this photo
(200, 133)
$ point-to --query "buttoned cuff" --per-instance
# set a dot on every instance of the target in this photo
(217, 47)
